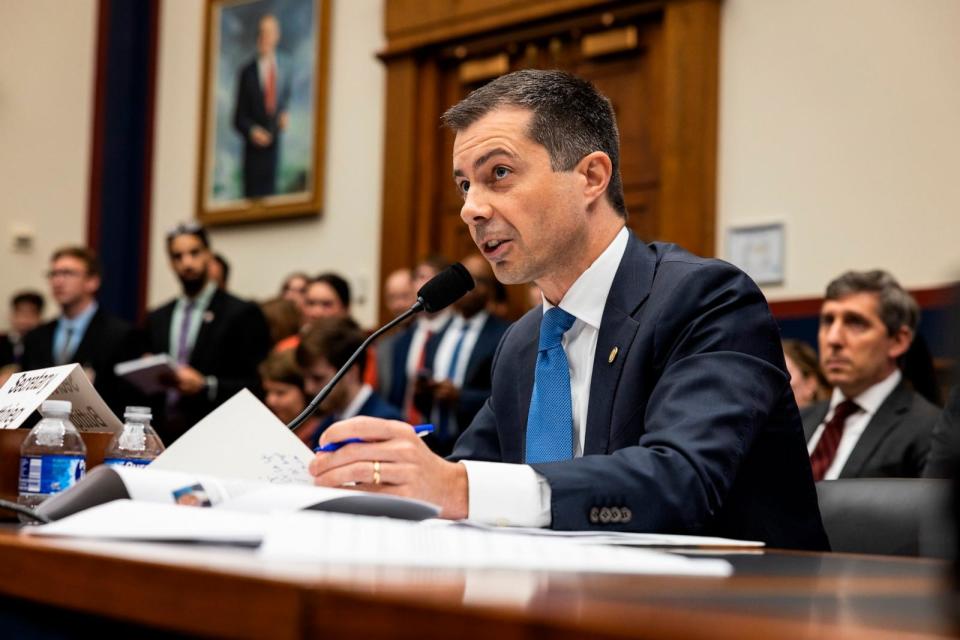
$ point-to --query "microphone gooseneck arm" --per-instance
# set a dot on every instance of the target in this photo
(295, 424)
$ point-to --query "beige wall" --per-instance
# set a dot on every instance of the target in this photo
(347, 237)
(834, 114)
(46, 106)
(841, 118)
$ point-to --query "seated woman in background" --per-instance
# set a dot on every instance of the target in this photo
(807, 380)
(283, 389)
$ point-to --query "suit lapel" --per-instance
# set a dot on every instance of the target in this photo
(814, 420)
(618, 329)
(888, 416)
(526, 366)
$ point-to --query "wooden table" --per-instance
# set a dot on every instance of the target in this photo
(231, 592)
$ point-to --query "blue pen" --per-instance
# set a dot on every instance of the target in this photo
(420, 429)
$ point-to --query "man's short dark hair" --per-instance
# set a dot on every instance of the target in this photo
(339, 285)
(332, 339)
(188, 229)
(31, 298)
(570, 118)
(435, 261)
(85, 255)
(897, 306)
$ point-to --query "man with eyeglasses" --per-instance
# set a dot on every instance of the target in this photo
(83, 332)
(217, 339)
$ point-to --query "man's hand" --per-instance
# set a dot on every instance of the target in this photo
(446, 393)
(407, 467)
(260, 136)
(190, 382)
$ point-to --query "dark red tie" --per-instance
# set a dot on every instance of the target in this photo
(270, 95)
(826, 449)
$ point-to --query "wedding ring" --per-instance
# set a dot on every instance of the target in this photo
(376, 472)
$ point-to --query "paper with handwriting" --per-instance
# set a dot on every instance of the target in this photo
(240, 439)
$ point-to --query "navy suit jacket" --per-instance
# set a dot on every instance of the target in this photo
(232, 341)
(107, 341)
(692, 427)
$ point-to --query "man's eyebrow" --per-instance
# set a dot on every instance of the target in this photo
(498, 151)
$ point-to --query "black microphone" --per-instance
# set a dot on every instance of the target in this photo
(441, 291)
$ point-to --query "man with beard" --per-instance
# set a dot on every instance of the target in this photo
(323, 350)
(217, 339)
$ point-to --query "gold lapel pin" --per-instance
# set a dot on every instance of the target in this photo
(613, 355)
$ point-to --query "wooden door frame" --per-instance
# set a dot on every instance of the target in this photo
(691, 30)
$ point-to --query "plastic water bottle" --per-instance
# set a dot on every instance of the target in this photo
(53, 456)
(137, 445)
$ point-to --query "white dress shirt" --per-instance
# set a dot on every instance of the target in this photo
(514, 494)
(868, 401)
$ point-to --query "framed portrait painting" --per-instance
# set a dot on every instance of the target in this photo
(263, 110)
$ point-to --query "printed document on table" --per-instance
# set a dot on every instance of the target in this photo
(335, 538)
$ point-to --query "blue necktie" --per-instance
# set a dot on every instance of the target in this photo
(550, 421)
(451, 372)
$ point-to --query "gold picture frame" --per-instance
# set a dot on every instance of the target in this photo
(263, 110)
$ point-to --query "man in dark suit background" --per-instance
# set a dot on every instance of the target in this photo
(874, 425)
(217, 339)
(653, 398)
(460, 359)
(83, 333)
(326, 347)
(26, 314)
(260, 111)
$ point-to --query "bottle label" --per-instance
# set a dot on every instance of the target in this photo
(45, 475)
(126, 462)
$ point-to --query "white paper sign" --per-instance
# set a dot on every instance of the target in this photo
(240, 439)
(24, 392)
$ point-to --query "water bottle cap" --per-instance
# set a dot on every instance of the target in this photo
(138, 412)
(56, 407)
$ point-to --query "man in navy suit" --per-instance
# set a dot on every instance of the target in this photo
(460, 359)
(322, 351)
(260, 111)
(660, 373)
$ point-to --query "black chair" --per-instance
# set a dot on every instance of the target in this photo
(891, 516)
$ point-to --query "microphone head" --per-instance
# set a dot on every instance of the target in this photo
(445, 288)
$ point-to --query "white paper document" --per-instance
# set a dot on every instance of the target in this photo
(24, 392)
(336, 538)
(240, 439)
(624, 538)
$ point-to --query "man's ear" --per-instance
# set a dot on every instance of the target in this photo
(597, 170)
(900, 342)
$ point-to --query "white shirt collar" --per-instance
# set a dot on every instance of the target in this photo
(871, 399)
(357, 403)
(434, 324)
(587, 297)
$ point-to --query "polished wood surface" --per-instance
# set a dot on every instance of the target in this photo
(232, 592)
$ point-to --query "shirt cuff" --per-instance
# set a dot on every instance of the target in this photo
(508, 495)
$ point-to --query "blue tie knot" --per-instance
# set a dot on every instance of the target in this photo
(555, 323)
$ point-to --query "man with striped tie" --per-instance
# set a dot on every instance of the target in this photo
(647, 393)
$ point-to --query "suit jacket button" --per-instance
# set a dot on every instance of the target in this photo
(594, 515)
(605, 515)
(615, 515)
(625, 514)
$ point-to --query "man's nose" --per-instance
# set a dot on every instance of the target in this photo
(476, 209)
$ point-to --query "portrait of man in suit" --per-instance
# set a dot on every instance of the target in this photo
(648, 392)
(874, 424)
(260, 112)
